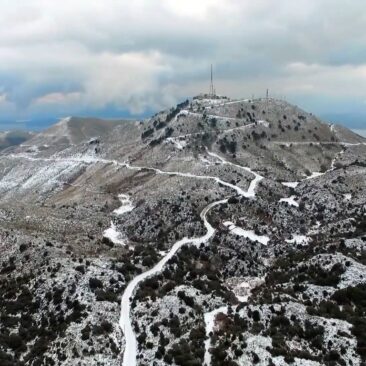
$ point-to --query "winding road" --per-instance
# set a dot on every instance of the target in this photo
(126, 321)
(129, 356)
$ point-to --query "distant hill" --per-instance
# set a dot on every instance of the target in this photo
(14, 138)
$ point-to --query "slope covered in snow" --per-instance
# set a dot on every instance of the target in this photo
(216, 232)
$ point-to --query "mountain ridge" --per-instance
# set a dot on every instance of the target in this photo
(216, 232)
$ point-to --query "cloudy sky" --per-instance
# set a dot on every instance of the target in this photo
(131, 58)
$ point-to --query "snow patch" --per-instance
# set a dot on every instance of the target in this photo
(126, 205)
(113, 235)
(236, 101)
(314, 175)
(347, 197)
(263, 123)
(290, 200)
(205, 161)
(179, 142)
(242, 287)
(209, 319)
(249, 234)
(299, 239)
(290, 184)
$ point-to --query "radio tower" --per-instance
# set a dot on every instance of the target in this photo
(212, 89)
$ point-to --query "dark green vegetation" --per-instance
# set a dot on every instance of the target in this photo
(27, 317)
(348, 304)
(38, 308)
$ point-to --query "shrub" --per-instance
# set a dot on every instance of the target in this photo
(15, 342)
(94, 283)
(147, 133)
(189, 301)
(23, 247)
(106, 295)
(104, 328)
(256, 316)
(233, 200)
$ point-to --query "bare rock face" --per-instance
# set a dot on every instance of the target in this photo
(219, 232)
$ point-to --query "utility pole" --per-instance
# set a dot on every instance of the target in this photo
(212, 89)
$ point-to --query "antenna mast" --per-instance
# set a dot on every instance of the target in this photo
(212, 89)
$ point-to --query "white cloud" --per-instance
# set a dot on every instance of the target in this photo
(149, 53)
(336, 80)
(2, 98)
(125, 79)
(58, 98)
(192, 8)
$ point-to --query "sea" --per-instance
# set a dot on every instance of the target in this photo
(360, 132)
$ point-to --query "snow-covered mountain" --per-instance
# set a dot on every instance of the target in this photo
(219, 232)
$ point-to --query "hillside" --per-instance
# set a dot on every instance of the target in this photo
(218, 232)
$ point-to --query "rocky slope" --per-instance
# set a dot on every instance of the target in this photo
(218, 232)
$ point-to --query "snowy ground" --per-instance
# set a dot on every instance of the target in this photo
(299, 239)
(112, 233)
(209, 326)
(290, 184)
(290, 200)
(249, 234)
